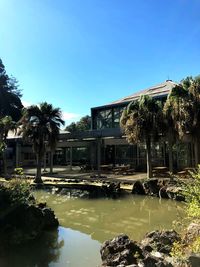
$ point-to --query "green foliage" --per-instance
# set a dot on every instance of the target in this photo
(10, 103)
(178, 251)
(41, 125)
(192, 194)
(195, 246)
(19, 171)
(14, 193)
(6, 124)
(140, 120)
(191, 241)
(83, 125)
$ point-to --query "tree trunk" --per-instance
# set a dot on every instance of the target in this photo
(196, 152)
(170, 151)
(51, 162)
(4, 163)
(149, 163)
(99, 157)
(38, 178)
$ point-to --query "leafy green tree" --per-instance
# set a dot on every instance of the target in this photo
(40, 125)
(172, 117)
(140, 122)
(71, 128)
(191, 116)
(83, 125)
(183, 105)
(10, 103)
(6, 125)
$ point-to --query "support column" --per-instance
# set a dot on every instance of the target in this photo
(99, 157)
(114, 162)
(92, 154)
(66, 156)
(45, 161)
(164, 153)
(71, 156)
(137, 155)
(17, 155)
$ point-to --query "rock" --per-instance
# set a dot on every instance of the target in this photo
(175, 192)
(50, 221)
(161, 241)
(138, 188)
(111, 189)
(194, 260)
(163, 193)
(25, 222)
(150, 261)
(42, 205)
(193, 231)
(153, 251)
(152, 187)
(120, 251)
(163, 264)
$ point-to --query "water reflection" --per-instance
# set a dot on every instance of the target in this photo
(40, 252)
(105, 218)
(86, 223)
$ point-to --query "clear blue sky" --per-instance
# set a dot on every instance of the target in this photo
(77, 54)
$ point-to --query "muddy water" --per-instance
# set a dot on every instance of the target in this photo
(86, 223)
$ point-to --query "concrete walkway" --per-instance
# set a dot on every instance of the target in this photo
(77, 174)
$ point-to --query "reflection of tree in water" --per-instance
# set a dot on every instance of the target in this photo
(38, 253)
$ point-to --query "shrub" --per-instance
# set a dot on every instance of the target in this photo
(178, 251)
(15, 193)
(19, 171)
(192, 194)
(195, 246)
(191, 239)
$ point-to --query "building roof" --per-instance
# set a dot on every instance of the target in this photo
(159, 90)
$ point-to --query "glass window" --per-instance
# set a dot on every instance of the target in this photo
(116, 116)
(124, 154)
(104, 119)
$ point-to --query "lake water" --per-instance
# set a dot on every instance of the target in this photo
(86, 223)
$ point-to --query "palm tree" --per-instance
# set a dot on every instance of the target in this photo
(172, 111)
(140, 124)
(184, 105)
(40, 125)
(191, 122)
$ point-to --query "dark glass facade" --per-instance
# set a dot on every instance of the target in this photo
(104, 118)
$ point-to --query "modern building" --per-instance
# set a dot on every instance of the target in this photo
(105, 143)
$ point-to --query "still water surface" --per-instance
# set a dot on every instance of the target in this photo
(86, 223)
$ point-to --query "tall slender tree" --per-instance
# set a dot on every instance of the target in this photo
(10, 103)
(191, 116)
(140, 122)
(10, 107)
(40, 125)
(84, 124)
(183, 104)
(6, 125)
(172, 116)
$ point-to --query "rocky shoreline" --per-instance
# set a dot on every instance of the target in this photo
(157, 187)
(21, 218)
(153, 251)
(162, 188)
